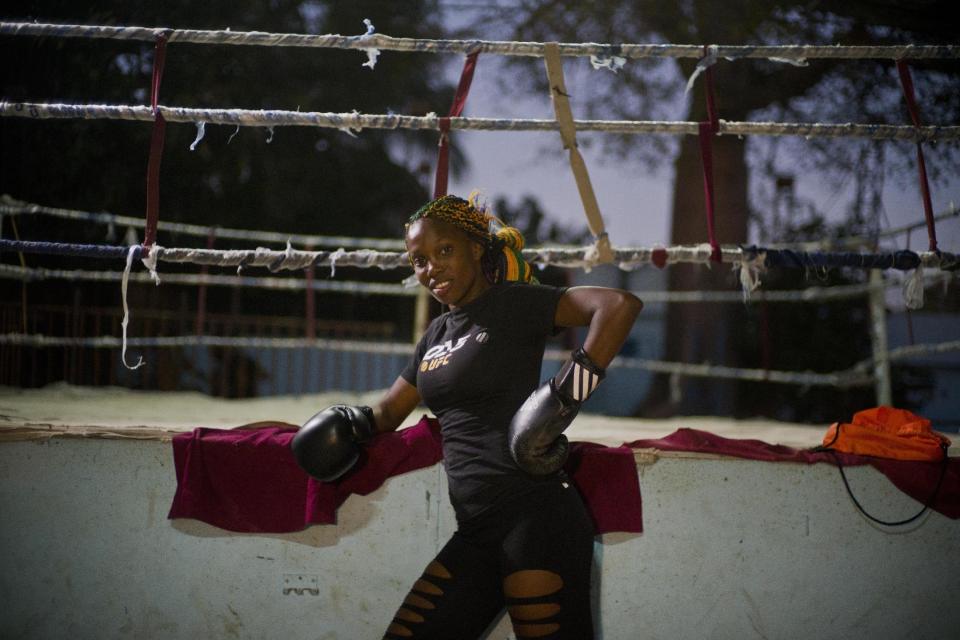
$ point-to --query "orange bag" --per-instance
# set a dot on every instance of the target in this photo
(886, 432)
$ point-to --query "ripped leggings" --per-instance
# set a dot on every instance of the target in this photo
(534, 558)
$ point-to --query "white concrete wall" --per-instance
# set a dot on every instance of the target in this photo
(732, 549)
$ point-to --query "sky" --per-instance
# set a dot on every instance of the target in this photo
(636, 206)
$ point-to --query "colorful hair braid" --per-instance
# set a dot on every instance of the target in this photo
(502, 259)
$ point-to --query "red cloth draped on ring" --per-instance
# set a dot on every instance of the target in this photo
(246, 479)
(917, 479)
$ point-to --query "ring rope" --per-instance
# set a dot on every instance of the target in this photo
(33, 274)
(11, 206)
(856, 376)
(627, 258)
(111, 342)
(355, 122)
(754, 254)
(810, 294)
(841, 379)
(909, 351)
(951, 212)
(507, 48)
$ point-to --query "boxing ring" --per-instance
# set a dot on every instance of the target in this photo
(731, 547)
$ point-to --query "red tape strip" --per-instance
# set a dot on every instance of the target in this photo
(706, 157)
(908, 93)
(443, 160)
(156, 147)
(459, 100)
(711, 102)
(706, 132)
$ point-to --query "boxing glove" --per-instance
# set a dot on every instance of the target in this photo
(536, 438)
(329, 443)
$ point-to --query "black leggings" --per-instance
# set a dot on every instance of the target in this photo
(532, 557)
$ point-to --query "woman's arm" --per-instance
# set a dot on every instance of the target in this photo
(609, 314)
(396, 405)
(535, 435)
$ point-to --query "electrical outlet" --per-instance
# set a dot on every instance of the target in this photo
(301, 584)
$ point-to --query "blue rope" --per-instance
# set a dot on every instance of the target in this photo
(61, 249)
(900, 260)
(783, 258)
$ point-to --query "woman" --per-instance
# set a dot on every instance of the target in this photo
(524, 540)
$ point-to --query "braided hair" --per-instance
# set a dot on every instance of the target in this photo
(502, 260)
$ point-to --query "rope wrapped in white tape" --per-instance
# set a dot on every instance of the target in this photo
(357, 121)
(508, 48)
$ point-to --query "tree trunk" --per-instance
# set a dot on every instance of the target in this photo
(703, 332)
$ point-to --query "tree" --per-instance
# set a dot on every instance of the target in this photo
(293, 180)
(832, 91)
(290, 174)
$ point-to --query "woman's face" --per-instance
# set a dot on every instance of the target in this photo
(446, 261)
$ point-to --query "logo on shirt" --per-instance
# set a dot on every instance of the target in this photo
(482, 337)
(439, 354)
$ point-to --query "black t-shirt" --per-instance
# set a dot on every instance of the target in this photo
(474, 367)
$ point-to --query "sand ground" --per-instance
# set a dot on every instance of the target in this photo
(120, 412)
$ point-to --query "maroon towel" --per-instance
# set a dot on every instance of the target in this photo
(247, 480)
(607, 480)
(917, 479)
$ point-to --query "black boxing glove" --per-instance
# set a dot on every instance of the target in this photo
(329, 443)
(535, 436)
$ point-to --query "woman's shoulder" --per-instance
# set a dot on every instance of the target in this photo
(524, 289)
(507, 299)
(522, 300)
